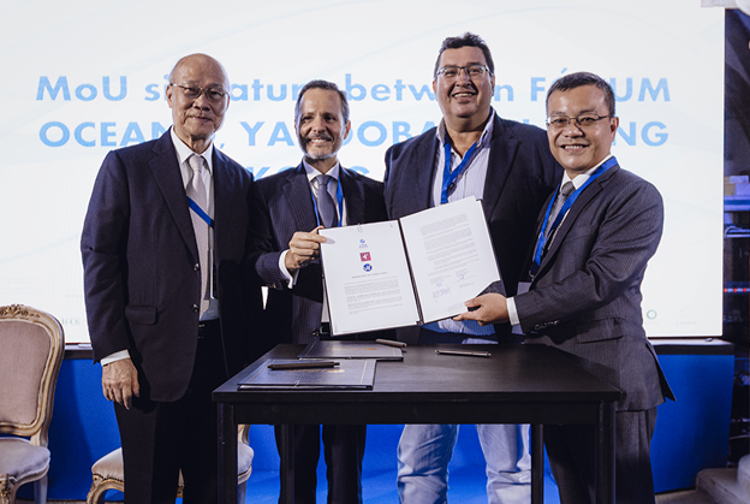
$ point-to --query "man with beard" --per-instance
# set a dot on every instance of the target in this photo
(472, 153)
(291, 207)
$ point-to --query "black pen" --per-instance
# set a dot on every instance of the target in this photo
(388, 342)
(463, 352)
(303, 365)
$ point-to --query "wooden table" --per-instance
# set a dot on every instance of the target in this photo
(531, 384)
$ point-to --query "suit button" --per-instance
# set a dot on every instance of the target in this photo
(197, 267)
(196, 308)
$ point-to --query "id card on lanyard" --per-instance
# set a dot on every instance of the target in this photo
(544, 234)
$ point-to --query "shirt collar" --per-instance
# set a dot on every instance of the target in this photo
(582, 177)
(313, 172)
(184, 152)
(484, 139)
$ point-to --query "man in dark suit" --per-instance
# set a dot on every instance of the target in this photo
(473, 152)
(585, 296)
(292, 206)
(169, 295)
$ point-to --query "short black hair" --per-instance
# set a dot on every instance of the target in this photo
(321, 84)
(468, 39)
(578, 79)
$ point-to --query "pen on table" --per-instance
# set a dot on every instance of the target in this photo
(463, 352)
(388, 342)
(303, 365)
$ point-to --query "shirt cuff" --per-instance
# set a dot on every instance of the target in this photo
(290, 278)
(510, 304)
(121, 355)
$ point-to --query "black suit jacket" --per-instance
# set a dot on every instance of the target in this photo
(284, 206)
(586, 297)
(520, 175)
(141, 275)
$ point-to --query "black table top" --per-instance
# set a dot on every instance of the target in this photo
(517, 384)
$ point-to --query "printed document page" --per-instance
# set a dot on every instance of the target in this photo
(451, 256)
(367, 278)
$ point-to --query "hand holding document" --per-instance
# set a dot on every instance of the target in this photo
(416, 270)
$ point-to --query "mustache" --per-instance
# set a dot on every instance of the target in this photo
(318, 137)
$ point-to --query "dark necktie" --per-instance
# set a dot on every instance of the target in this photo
(326, 208)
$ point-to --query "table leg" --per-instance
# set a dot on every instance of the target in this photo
(227, 455)
(537, 464)
(605, 454)
(287, 462)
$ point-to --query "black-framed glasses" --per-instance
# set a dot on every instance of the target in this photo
(473, 71)
(193, 92)
(582, 121)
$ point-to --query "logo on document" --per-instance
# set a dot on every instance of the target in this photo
(364, 256)
(362, 243)
(367, 267)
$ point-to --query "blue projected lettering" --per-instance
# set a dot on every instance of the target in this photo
(84, 92)
(57, 134)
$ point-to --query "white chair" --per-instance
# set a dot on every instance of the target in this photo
(32, 344)
(107, 472)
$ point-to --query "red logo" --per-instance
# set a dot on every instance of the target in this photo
(364, 256)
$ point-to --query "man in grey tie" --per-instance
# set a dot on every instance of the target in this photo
(585, 294)
(170, 299)
(291, 207)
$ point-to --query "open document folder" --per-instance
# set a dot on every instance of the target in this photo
(418, 269)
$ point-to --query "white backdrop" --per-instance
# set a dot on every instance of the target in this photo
(84, 77)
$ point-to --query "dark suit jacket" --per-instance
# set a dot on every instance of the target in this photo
(284, 206)
(140, 258)
(520, 175)
(586, 297)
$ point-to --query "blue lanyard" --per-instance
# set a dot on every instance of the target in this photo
(543, 235)
(198, 210)
(449, 177)
(339, 200)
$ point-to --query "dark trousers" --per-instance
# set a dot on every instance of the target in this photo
(570, 449)
(344, 448)
(158, 438)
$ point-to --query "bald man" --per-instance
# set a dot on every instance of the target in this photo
(170, 301)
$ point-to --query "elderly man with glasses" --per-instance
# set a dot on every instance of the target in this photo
(472, 153)
(171, 304)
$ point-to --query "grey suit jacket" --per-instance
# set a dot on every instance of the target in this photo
(521, 173)
(284, 206)
(586, 296)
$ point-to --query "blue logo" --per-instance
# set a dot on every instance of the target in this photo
(367, 267)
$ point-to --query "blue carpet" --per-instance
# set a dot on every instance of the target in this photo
(467, 479)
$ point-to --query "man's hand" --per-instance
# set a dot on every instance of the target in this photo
(303, 248)
(120, 382)
(486, 309)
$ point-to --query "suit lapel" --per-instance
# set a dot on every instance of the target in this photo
(503, 147)
(588, 194)
(166, 171)
(423, 157)
(354, 198)
(298, 196)
(224, 179)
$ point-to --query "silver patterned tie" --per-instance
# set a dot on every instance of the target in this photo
(566, 190)
(196, 190)
(326, 208)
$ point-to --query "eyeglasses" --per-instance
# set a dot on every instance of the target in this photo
(474, 71)
(583, 121)
(193, 92)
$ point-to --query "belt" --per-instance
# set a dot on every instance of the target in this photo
(209, 329)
